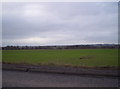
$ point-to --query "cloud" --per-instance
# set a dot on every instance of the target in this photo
(59, 23)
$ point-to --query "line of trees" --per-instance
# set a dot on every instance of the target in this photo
(62, 47)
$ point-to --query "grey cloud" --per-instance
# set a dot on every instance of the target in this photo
(59, 23)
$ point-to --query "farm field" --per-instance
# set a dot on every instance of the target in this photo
(69, 57)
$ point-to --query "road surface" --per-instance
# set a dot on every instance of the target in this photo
(32, 79)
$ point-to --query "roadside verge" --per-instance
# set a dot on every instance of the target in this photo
(61, 70)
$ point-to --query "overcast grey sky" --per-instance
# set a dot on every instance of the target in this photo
(59, 23)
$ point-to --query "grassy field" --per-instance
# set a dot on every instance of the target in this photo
(71, 57)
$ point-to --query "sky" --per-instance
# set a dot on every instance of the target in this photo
(59, 23)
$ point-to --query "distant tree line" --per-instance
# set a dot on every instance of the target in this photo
(62, 47)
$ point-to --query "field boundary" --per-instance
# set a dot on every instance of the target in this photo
(61, 70)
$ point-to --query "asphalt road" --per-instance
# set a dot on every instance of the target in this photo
(31, 79)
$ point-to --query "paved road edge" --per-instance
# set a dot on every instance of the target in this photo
(61, 70)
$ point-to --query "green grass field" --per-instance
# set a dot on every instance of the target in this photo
(70, 57)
